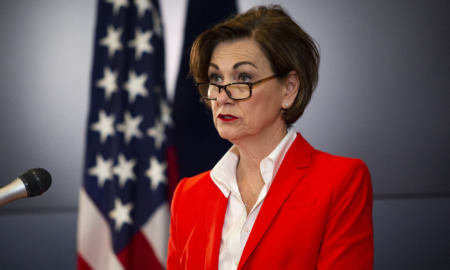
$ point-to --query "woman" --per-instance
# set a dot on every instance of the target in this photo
(272, 201)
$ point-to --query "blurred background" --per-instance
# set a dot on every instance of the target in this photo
(383, 97)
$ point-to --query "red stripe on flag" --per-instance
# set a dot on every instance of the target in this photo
(82, 264)
(139, 255)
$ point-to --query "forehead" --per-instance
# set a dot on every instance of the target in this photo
(228, 54)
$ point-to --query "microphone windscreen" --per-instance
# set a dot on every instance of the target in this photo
(36, 181)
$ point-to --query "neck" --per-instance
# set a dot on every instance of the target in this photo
(252, 151)
(248, 174)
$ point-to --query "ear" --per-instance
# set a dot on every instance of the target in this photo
(291, 86)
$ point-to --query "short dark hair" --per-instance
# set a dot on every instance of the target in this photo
(285, 44)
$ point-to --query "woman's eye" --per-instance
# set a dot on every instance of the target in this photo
(214, 78)
(245, 78)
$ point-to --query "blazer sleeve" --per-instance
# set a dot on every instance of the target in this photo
(348, 236)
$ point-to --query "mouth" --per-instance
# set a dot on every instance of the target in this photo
(227, 117)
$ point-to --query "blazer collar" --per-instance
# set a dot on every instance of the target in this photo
(292, 170)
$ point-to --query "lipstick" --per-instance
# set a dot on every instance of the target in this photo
(227, 117)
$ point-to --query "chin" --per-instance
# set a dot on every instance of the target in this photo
(229, 135)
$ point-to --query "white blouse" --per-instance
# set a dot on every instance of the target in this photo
(237, 225)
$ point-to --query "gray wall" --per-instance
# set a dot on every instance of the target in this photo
(382, 97)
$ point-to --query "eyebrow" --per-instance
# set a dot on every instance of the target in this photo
(235, 66)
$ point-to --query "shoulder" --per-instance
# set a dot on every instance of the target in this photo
(191, 190)
(337, 164)
(194, 184)
(326, 169)
(345, 178)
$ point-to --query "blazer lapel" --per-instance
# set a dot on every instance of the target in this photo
(292, 170)
(215, 209)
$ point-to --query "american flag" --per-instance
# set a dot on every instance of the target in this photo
(123, 206)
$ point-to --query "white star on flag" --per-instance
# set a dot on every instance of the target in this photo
(142, 6)
(157, 133)
(136, 85)
(156, 173)
(157, 22)
(102, 170)
(141, 43)
(112, 40)
(117, 4)
(121, 213)
(124, 170)
(108, 82)
(130, 127)
(166, 113)
(104, 125)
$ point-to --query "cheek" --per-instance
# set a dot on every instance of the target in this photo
(213, 107)
(266, 110)
(266, 104)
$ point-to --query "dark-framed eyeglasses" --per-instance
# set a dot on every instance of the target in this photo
(235, 91)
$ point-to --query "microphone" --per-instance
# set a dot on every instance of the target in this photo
(31, 183)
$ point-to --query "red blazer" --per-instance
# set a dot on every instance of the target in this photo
(316, 215)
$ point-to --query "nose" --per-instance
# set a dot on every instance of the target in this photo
(223, 97)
